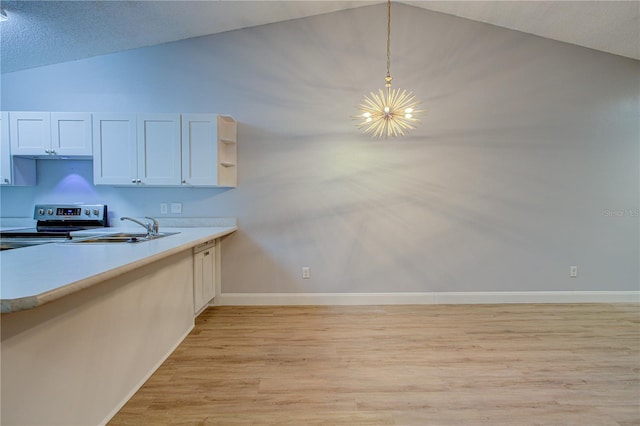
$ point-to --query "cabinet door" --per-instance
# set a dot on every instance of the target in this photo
(71, 133)
(114, 149)
(199, 149)
(204, 276)
(30, 133)
(18, 171)
(159, 149)
(209, 274)
(5, 153)
(198, 282)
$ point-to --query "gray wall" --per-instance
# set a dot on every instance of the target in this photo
(526, 161)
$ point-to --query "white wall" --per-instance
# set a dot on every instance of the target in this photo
(528, 152)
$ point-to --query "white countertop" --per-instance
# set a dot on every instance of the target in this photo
(33, 276)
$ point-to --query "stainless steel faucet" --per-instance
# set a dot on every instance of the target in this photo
(155, 228)
(152, 229)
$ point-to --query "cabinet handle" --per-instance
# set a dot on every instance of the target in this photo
(133, 181)
(46, 151)
(206, 253)
(6, 181)
(53, 152)
(184, 181)
(139, 181)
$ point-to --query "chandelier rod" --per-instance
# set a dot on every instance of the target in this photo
(388, 38)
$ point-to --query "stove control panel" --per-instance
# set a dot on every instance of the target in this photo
(75, 212)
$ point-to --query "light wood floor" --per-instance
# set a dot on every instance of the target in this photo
(400, 365)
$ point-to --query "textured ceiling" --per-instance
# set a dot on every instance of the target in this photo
(610, 26)
(47, 32)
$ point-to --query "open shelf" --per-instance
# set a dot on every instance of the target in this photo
(227, 151)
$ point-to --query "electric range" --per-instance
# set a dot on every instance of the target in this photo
(55, 222)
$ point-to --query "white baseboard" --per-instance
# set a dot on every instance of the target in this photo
(254, 299)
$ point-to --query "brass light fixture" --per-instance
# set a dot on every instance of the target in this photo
(391, 112)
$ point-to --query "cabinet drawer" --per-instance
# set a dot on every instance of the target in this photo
(204, 246)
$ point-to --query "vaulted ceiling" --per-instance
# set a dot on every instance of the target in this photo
(40, 33)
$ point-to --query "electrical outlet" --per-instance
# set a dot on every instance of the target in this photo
(164, 209)
(176, 208)
(573, 271)
(306, 272)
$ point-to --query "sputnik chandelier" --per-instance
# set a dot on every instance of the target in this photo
(390, 112)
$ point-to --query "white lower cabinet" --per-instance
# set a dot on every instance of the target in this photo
(204, 275)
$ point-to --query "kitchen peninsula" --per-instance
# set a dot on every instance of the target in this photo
(84, 325)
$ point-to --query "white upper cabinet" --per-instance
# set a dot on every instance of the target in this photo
(13, 170)
(5, 150)
(71, 134)
(199, 149)
(128, 149)
(42, 134)
(159, 149)
(142, 149)
(114, 149)
(30, 133)
(209, 150)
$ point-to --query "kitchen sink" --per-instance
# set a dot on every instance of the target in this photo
(122, 237)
